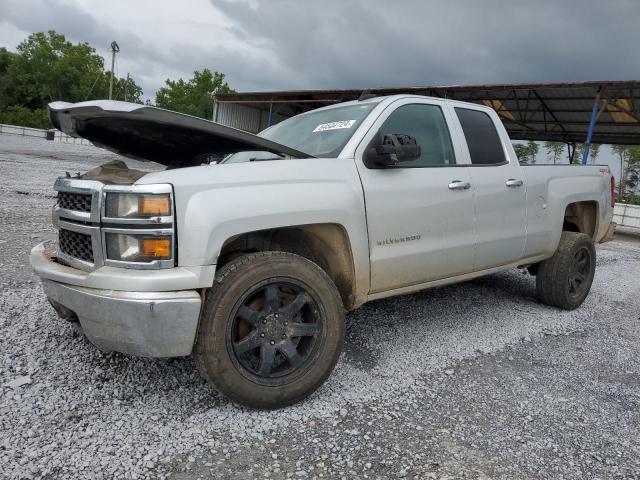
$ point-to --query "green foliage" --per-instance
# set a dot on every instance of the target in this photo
(19, 115)
(594, 151)
(195, 96)
(526, 152)
(554, 150)
(46, 67)
(629, 180)
(577, 153)
(521, 153)
(6, 57)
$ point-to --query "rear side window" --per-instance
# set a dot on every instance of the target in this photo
(484, 143)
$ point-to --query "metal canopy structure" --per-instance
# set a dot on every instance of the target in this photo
(586, 112)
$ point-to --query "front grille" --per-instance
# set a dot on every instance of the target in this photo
(75, 201)
(76, 245)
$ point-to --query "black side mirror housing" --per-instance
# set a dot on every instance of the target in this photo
(395, 148)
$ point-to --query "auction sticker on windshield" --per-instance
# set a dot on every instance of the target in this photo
(323, 127)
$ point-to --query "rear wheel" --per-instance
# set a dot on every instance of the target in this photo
(271, 329)
(565, 279)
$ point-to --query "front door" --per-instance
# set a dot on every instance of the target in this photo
(420, 214)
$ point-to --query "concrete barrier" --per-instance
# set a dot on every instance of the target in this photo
(627, 215)
(40, 133)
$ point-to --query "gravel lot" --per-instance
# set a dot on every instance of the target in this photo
(476, 380)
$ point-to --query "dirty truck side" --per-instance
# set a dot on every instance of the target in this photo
(247, 250)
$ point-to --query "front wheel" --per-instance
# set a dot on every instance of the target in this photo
(271, 329)
(565, 279)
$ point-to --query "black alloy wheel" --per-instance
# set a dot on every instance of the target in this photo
(580, 273)
(276, 330)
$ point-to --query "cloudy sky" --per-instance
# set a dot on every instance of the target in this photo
(296, 44)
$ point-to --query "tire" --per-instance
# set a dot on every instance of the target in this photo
(271, 329)
(565, 279)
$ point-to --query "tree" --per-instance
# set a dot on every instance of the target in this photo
(594, 151)
(629, 171)
(521, 153)
(526, 153)
(577, 152)
(19, 115)
(195, 96)
(46, 67)
(533, 149)
(6, 57)
(555, 150)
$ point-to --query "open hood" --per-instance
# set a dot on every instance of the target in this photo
(150, 133)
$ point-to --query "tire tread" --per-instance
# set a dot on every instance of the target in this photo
(212, 296)
(551, 276)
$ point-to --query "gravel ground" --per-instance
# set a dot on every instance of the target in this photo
(476, 380)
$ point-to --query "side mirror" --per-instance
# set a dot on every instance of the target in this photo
(395, 148)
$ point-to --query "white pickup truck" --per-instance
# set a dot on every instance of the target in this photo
(250, 261)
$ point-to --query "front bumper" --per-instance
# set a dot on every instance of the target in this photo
(144, 323)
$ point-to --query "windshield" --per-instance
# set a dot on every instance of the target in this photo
(320, 133)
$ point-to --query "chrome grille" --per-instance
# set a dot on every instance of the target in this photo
(80, 202)
(76, 245)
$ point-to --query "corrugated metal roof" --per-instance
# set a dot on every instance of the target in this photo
(543, 111)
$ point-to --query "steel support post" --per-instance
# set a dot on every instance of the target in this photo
(592, 123)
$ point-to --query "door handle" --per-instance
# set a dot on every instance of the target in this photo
(459, 185)
(512, 182)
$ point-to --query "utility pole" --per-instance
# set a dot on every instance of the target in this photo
(114, 49)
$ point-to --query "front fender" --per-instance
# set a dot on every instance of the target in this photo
(217, 202)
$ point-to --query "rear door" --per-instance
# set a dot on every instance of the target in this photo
(498, 187)
(420, 216)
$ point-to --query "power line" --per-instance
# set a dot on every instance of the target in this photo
(94, 84)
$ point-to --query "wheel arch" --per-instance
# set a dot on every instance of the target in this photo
(581, 217)
(326, 244)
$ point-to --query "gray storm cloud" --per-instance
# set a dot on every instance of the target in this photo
(287, 44)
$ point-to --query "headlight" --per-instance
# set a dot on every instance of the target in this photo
(138, 226)
(137, 205)
(123, 247)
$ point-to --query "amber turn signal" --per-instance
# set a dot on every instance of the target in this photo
(155, 247)
(150, 205)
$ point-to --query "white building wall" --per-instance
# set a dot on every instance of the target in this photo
(249, 119)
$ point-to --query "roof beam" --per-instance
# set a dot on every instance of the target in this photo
(544, 106)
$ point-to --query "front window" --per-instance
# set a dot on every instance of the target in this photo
(425, 123)
(320, 133)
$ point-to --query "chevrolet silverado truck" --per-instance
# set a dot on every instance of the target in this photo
(247, 250)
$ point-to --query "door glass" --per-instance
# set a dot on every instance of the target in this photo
(427, 125)
(482, 138)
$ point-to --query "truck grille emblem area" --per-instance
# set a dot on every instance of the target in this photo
(76, 244)
(80, 202)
